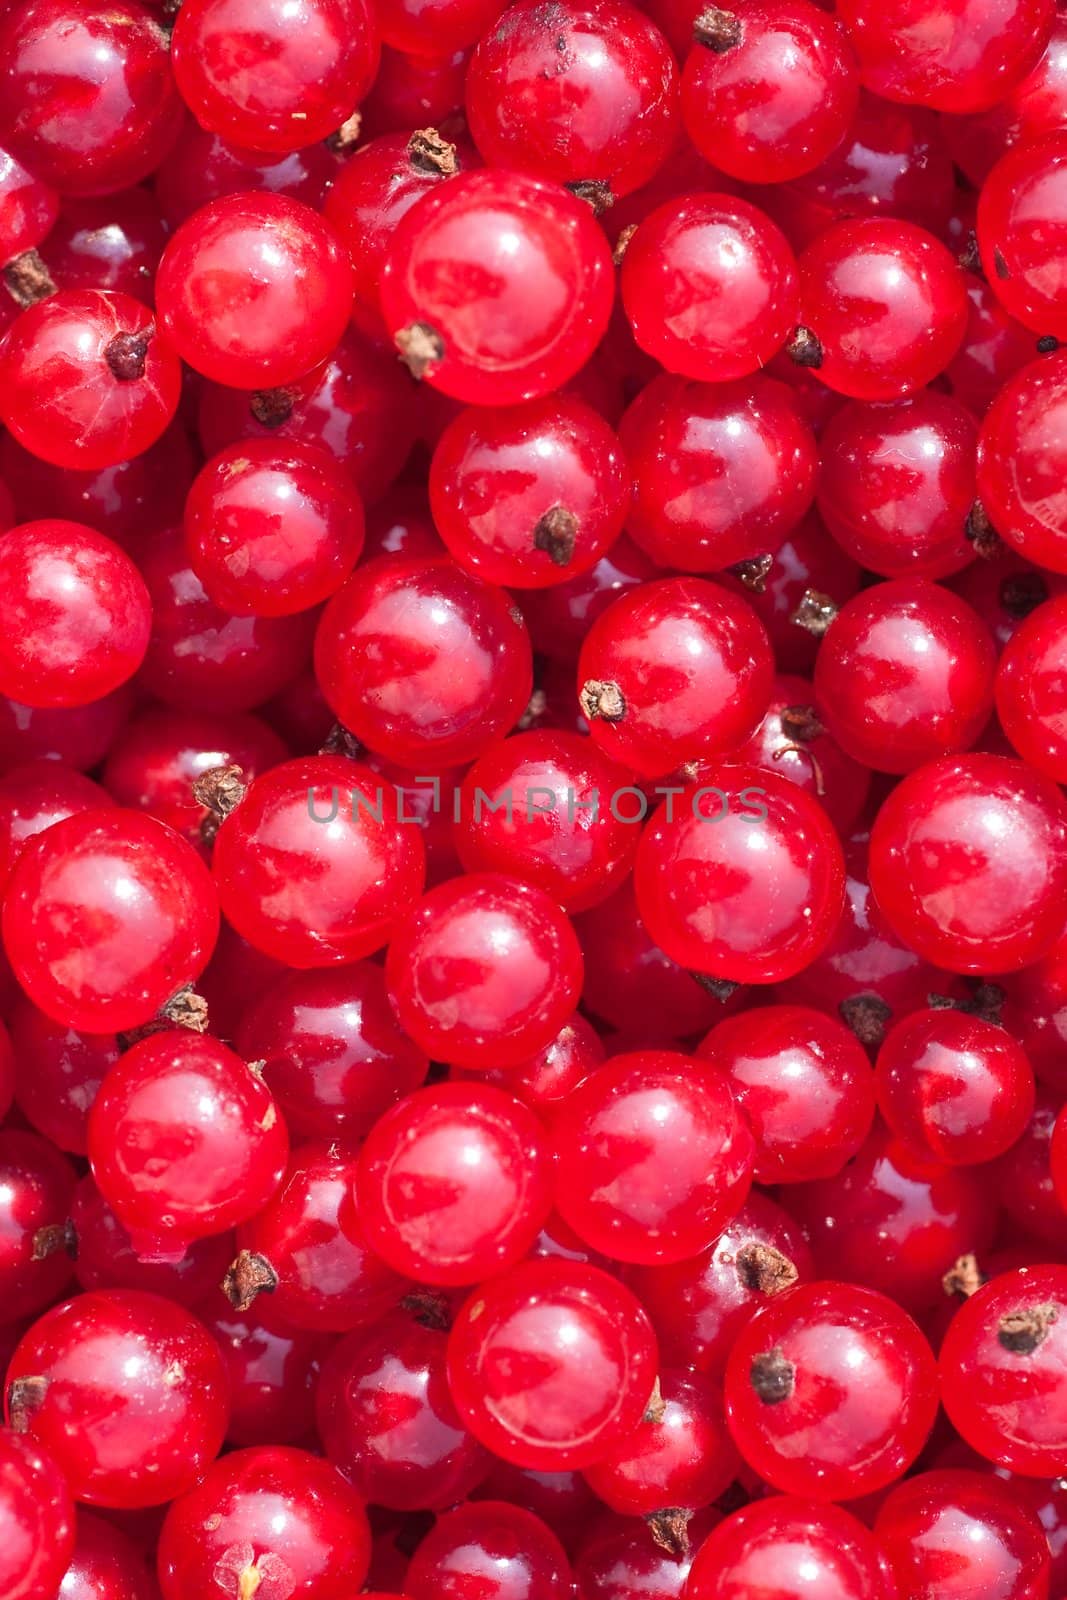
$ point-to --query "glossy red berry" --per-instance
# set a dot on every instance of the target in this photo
(831, 1391)
(423, 662)
(110, 242)
(106, 1565)
(484, 971)
(883, 308)
(387, 1419)
(30, 208)
(552, 1364)
(497, 287)
(454, 1183)
(1029, 704)
(678, 1458)
(270, 1519)
(201, 167)
(287, 296)
(88, 381)
(653, 1158)
(1021, 219)
(619, 1561)
(722, 472)
(33, 797)
(36, 1243)
(998, 1545)
(106, 1258)
(36, 1519)
(268, 77)
(675, 671)
(790, 1548)
(127, 1391)
(77, 615)
(273, 1373)
(769, 90)
(1002, 1370)
(489, 1551)
(107, 916)
(531, 496)
(1020, 459)
(758, 849)
(969, 863)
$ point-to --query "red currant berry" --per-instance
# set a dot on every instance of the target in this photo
(968, 863)
(484, 972)
(29, 206)
(35, 796)
(77, 615)
(769, 90)
(1020, 460)
(423, 661)
(654, 1158)
(1021, 223)
(497, 287)
(994, 347)
(560, 617)
(414, 90)
(722, 472)
(387, 1420)
(759, 850)
(287, 298)
(551, 1365)
(127, 1391)
(203, 167)
(270, 1521)
(106, 1565)
(36, 1519)
(489, 1551)
(36, 1242)
(1028, 689)
(673, 671)
(79, 736)
(1003, 1370)
(1027, 1181)
(112, 242)
(789, 1548)
(998, 1547)
(831, 1391)
(107, 916)
(619, 1561)
(273, 1373)
(107, 1260)
(270, 78)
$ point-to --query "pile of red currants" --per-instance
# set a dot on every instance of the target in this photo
(533, 844)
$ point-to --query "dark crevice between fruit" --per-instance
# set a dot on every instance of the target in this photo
(986, 1003)
(981, 532)
(536, 707)
(429, 152)
(1023, 593)
(220, 790)
(719, 988)
(272, 407)
(804, 349)
(868, 1016)
(127, 354)
(765, 1270)
(595, 192)
(815, 613)
(54, 1237)
(421, 348)
(24, 1397)
(248, 1276)
(970, 257)
(754, 573)
(339, 742)
(656, 1410)
(345, 139)
(1047, 344)
(670, 1531)
(428, 1309)
(622, 242)
(1021, 1332)
(717, 30)
(772, 1377)
(964, 1277)
(555, 534)
(601, 700)
(28, 279)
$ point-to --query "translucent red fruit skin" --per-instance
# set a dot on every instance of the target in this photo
(968, 863)
(452, 991)
(388, 1422)
(276, 1514)
(30, 208)
(851, 1390)
(1021, 460)
(107, 915)
(201, 167)
(709, 286)
(692, 666)
(531, 496)
(37, 1519)
(775, 101)
(273, 1372)
(423, 662)
(601, 107)
(1002, 1371)
(513, 278)
(1029, 701)
(454, 1183)
(653, 1158)
(184, 1140)
(333, 1055)
(763, 853)
(998, 1545)
(135, 1403)
(722, 473)
(685, 1460)
(36, 1189)
(1022, 216)
(268, 78)
(33, 797)
(538, 1400)
(954, 1087)
(957, 56)
(92, 104)
(490, 1549)
(1031, 109)
(69, 398)
(787, 1547)
(287, 295)
(887, 304)
(803, 1082)
(77, 615)
(106, 1565)
(315, 866)
(898, 484)
(272, 529)
(107, 1260)
(111, 242)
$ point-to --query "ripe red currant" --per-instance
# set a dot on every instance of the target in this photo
(790, 1548)
(36, 1519)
